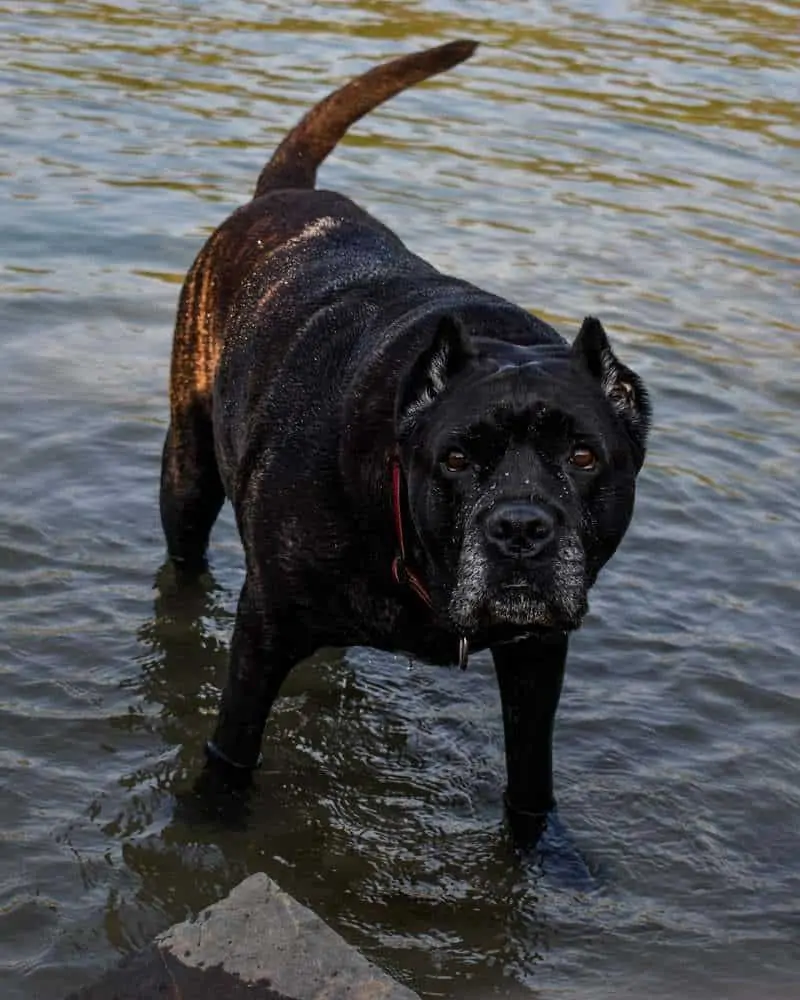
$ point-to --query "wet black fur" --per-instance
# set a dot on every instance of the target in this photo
(339, 349)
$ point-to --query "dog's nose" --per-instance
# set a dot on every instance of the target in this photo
(520, 530)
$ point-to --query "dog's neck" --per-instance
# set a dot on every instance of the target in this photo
(401, 572)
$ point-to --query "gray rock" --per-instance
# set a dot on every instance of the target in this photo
(258, 943)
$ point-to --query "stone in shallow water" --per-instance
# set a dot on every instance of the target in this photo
(257, 943)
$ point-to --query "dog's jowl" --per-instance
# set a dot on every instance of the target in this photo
(414, 464)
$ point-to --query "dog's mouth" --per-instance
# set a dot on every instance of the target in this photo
(525, 604)
(547, 594)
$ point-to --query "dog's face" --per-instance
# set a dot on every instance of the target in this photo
(521, 466)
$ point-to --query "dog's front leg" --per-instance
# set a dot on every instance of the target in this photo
(530, 673)
(263, 651)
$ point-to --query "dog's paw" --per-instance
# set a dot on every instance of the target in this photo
(219, 796)
(561, 861)
(542, 840)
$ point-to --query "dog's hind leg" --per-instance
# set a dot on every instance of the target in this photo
(191, 488)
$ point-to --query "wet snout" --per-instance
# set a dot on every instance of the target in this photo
(519, 530)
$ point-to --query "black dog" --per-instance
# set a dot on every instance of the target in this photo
(414, 463)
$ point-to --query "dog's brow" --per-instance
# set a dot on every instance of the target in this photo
(551, 420)
(480, 431)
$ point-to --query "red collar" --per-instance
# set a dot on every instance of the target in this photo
(400, 570)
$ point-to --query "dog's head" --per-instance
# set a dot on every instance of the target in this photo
(521, 466)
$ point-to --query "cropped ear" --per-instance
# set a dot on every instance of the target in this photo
(449, 351)
(622, 386)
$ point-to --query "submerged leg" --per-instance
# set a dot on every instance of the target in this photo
(262, 654)
(530, 674)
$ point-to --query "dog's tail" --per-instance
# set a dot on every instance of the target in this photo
(294, 163)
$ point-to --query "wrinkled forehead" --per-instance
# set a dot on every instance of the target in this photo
(516, 388)
(503, 356)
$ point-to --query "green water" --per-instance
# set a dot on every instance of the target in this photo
(638, 160)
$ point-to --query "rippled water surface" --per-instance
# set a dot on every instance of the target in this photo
(638, 160)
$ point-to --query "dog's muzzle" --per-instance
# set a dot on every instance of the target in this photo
(519, 567)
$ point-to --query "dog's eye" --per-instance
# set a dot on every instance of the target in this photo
(455, 460)
(583, 458)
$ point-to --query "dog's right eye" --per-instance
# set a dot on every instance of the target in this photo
(455, 460)
(583, 458)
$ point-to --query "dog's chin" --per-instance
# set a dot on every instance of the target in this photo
(521, 607)
(515, 609)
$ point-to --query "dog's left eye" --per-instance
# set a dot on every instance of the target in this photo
(455, 460)
(583, 458)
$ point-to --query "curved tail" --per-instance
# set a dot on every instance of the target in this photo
(295, 162)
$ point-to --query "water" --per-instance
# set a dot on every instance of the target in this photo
(637, 160)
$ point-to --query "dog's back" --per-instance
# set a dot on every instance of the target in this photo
(284, 207)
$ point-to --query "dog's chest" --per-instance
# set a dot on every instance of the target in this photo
(394, 623)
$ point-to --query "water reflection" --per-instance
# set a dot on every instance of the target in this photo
(409, 857)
